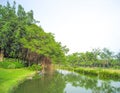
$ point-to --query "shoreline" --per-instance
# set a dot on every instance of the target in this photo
(101, 73)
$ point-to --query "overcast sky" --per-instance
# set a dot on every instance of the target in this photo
(79, 24)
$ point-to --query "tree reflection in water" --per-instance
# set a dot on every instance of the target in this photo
(92, 83)
(57, 81)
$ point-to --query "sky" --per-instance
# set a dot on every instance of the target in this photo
(81, 25)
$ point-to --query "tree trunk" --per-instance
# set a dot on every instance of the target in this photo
(1, 55)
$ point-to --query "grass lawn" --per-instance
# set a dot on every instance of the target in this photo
(10, 78)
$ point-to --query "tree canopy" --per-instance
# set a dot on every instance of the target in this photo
(21, 38)
(95, 58)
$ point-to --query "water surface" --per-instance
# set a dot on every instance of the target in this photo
(62, 81)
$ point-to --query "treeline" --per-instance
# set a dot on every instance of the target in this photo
(22, 39)
(95, 58)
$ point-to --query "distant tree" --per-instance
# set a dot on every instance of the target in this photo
(106, 56)
(95, 58)
(118, 57)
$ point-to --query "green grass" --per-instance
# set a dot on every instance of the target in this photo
(102, 73)
(113, 74)
(10, 78)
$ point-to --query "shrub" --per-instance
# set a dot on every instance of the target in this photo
(11, 63)
(11, 66)
(4, 64)
(18, 64)
(35, 67)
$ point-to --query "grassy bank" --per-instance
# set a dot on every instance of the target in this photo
(100, 72)
(10, 78)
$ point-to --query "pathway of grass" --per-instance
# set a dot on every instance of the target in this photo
(10, 78)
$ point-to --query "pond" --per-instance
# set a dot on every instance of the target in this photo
(62, 81)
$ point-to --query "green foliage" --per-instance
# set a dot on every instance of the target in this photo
(11, 66)
(100, 72)
(87, 71)
(18, 65)
(21, 38)
(109, 74)
(35, 67)
(95, 58)
(11, 63)
(118, 57)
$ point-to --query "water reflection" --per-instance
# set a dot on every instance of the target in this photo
(48, 83)
(62, 81)
(90, 85)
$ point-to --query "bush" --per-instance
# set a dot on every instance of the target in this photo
(11, 63)
(35, 67)
(11, 66)
(4, 64)
(18, 64)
